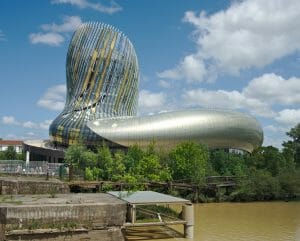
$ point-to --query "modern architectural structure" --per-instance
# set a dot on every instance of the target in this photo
(214, 128)
(102, 91)
(102, 82)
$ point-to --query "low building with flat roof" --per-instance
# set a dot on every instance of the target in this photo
(17, 144)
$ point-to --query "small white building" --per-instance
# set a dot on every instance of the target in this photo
(17, 144)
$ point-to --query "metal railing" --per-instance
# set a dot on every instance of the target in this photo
(32, 168)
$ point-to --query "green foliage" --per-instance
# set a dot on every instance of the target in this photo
(227, 164)
(267, 158)
(188, 161)
(91, 173)
(267, 173)
(292, 147)
(133, 156)
(147, 165)
(75, 155)
(104, 162)
(289, 181)
(118, 166)
(10, 153)
(259, 186)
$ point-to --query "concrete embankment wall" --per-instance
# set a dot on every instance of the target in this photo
(65, 217)
(11, 186)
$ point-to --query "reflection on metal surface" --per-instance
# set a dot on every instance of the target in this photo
(214, 128)
(102, 90)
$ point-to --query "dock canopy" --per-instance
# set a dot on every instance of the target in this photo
(148, 197)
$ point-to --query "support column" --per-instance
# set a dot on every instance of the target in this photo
(133, 213)
(27, 158)
(188, 215)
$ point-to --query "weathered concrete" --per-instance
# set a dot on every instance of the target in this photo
(64, 217)
(31, 185)
(109, 234)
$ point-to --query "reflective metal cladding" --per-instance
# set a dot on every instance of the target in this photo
(102, 92)
(214, 128)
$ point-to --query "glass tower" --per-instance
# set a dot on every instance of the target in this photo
(102, 81)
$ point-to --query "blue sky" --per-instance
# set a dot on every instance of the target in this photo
(241, 55)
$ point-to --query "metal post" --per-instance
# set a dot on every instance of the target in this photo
(27, 158)
(133, 214)
(188, 215)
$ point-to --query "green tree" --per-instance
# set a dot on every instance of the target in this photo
(292, 147)
(147, 166)
(10, 153)
(133, 156)
(105, 162)
(289, 181)
(2, 156)
(75, 155)
(188, 161)
(274, 160)
(118, 166)
(228, 164)
(258, 186)
(219, 160)
(268, 158)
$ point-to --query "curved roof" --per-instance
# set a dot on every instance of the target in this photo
(213, 128)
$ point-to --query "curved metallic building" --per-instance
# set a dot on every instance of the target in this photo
(213, 128)
(102, 81)
(102, 91)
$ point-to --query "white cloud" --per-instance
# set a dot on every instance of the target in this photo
(54, 98)
(190, 68)
(271, 128)
(52, 39)
(275, 134)
(151, 101)
(250, 33)
(258, 97)
(274, 140)
(30, 124)
(226, 99)
(2, 36)
(45, 124)
(34, 125)
(9, 120)
(164, 84)
(30, 134)
(54, 34)
(14, 137)
(70, 23)
(289, 117)
(113, 8)
(274, 89)
(41, 125)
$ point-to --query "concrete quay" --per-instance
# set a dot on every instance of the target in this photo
(11, 185)
(62, 217)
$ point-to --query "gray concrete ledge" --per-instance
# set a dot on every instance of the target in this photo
(30, 216)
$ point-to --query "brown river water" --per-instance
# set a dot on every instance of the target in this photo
(261, 221)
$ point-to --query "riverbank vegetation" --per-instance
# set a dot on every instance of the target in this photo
(266, 174)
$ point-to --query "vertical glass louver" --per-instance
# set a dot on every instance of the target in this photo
(102, 81)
